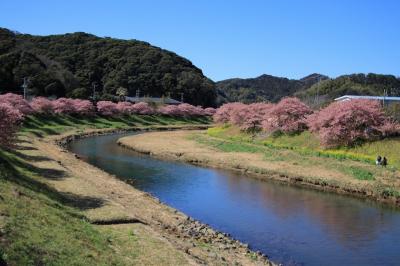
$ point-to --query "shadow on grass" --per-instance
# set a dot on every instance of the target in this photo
(31, 158)
(19, 172)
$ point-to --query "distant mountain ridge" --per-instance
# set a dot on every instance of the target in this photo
(315, 89)
(263, 88)
(354, 84)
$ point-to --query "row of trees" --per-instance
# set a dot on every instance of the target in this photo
(13, 108)
(339, 124)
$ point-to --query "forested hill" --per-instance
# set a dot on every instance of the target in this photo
(355, 84)
(263, 88)
(315, 89)
(68, 65)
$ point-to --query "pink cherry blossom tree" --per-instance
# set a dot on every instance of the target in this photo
(190, 110)
(125, 108)
(209, 111)
(171, 110)
(349, 122)
(143, 109)
(18, 102)
(288, 116)
(83, 107)
(254, 116)
(64, 106)
(10, 118)
(107, 108)
(42, 105)
(223, 114)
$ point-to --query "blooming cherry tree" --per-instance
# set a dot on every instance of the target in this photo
(107, 108)
(42, 105)
(10, 118)
(288, 116)
(17, 101)
(348, 122)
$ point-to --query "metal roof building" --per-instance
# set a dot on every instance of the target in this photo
(385, 99)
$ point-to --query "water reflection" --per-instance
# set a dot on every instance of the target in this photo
(292, 225)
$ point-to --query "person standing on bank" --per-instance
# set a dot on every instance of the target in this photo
(384, 162)
(378, 160)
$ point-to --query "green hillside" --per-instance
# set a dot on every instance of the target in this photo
(355, 84)
(263, 88)
(68, 65)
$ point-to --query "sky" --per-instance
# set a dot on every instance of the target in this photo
(235, 38)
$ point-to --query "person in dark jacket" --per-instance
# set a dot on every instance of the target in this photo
(384, 162)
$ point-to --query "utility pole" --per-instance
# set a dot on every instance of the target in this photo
(181, 97)
(317, 99)
(25, 87)
(94, 85)
(138, 93)
(384, 96)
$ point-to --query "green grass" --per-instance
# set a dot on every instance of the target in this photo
(308, 144)
(359, 173)
(227, 146)
(39, 228)
(42, 126)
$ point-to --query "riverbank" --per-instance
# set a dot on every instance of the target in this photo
(74, 211)
(350, 177)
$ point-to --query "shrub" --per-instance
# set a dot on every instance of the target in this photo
(223, 114)
(349, 122)
(42, 105)
(83, 107)
(125, 108)
(171, 110)
(64, 106)
(209, 111)
(17, 101)
(107, 108)
(190, 110)
(143, 109)
(10, 119)
(288, 116)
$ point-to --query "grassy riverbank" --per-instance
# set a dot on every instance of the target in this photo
(40, 224)
(40, 126)
(307, 143)
(226, 148)
(305, 148)
(55, 209)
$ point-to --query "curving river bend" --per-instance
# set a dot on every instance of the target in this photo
(293, 226)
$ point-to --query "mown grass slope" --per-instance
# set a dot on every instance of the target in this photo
(42, 226)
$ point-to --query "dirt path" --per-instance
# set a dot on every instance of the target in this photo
(313, 172)
(166, 236)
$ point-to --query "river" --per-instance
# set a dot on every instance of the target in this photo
(292, 225)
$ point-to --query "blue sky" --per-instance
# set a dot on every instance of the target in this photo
(234, 38)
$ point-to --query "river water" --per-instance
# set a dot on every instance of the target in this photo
(292, 225)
